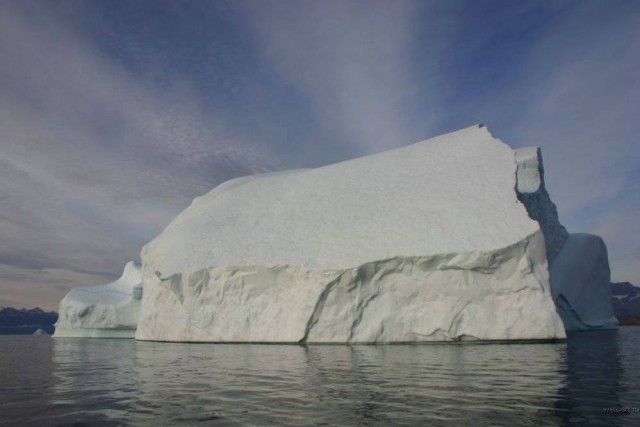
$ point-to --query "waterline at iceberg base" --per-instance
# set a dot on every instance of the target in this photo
(105, 311)
(449, 239)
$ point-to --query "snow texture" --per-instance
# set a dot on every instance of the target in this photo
(580, 283)
(428, 242)
(105, 311)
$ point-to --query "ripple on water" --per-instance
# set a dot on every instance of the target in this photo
(57, 382)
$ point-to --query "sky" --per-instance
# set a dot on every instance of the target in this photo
(114, 115)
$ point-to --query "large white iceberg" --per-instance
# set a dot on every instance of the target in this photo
(430, 242)
(449, 239)
(105, 311)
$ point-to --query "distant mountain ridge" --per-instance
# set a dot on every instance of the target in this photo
(26, 321)
(625, 299)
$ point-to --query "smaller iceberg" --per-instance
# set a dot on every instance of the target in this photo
(104, 311)
(580, 284)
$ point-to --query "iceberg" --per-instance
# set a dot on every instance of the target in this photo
(104, 311)
(451, 239)
(448, 239)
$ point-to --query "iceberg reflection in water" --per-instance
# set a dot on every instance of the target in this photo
(124, 381)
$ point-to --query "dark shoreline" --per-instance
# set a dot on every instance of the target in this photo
(629, 321)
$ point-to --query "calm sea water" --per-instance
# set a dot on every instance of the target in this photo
(592, 379)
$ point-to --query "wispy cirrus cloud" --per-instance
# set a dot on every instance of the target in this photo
(353, 63)
(94, 160)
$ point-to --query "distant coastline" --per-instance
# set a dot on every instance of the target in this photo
(625, 299)
(24, 321)
(629, 321)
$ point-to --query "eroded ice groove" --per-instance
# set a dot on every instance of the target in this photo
(493, 295)
(105, 311)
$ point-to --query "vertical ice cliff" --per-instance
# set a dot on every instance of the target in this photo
(105, 311)
(579, 265)
(428, 242)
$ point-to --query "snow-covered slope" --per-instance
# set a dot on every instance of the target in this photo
(105, 311)
(454, 193)
(580, 283)
(423, 243)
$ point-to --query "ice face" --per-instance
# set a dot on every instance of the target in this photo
(493, 295)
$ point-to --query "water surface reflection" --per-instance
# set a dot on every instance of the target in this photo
(359, 385)
(129, 382)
